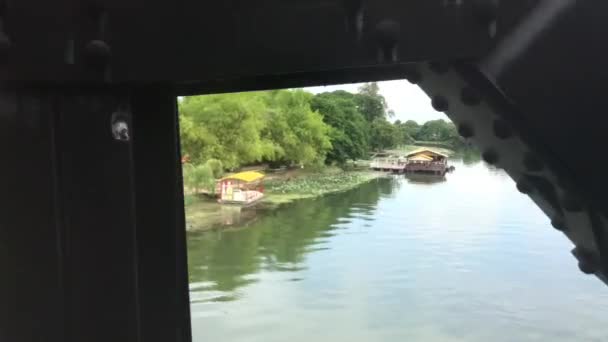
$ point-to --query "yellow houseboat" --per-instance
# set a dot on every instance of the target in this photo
(241, 188)
(426, 161)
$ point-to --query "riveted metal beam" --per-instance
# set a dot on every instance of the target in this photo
(500, 130)
(193, 42)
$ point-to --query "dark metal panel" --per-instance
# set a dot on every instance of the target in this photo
(30, 247)
(294, 80)
(558, 80)
(181, 41)
(161, 234)
(98, 214)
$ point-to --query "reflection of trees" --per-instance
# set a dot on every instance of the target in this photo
(420, 178)
(469, 155)
(279, 240)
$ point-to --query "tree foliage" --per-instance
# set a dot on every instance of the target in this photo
(384, 135)
(199, 177)
(370, 102)
(349, 130)
(244, 128)
(293, 127)
(296, 133)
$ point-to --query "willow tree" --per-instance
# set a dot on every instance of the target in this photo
(244, 128)
(296, 132)
(225, 127)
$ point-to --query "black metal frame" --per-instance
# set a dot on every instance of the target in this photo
(92, 239)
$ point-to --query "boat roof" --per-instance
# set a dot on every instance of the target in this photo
(247, 176)
(422, 150)
(421, 157)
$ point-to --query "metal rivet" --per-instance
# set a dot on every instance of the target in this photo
(531, 163)
(466, 130)
(502, 130)
(439, 67)
(469, 96)
(490, 156)
(440, 103)
(98, 52)
(571, 203)
(558, 224)
(120, 126)
(524, 186)
(586, 260)
(387, 35)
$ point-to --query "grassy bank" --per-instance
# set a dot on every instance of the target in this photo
(204, 213)
(286, 189)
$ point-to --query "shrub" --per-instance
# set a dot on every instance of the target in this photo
(216, 167)
(199, 177)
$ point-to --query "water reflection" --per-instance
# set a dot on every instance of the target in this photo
(416, 178)
(279, 239)
(465, 259)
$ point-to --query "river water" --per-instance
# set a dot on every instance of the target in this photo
(396, 259)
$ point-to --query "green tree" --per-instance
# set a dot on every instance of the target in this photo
(199, 177)
(225, 127)
(370, 102)
(296, 132)
(349, 132)
(412, 128)
(384, 134)
(404, 135)
(216, 167)
(434, 130)
(243, 128)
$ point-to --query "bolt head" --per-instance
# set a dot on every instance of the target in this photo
(558, 224)
(98, 53)
(490, 156)
(524, 186)
(440, 103)
(586, 260)
(387, 32)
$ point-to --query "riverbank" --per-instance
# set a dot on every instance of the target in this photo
(204, 213)
(307, 185)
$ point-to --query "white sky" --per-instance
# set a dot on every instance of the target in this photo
(406, 99)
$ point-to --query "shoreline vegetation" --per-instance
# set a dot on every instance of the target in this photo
(321, 143)
(203, 213)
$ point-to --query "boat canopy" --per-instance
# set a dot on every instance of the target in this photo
(247, 176)
(426, 151)
(421, 157)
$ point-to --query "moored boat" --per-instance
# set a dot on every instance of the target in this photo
(426, 161)
(243, 188)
